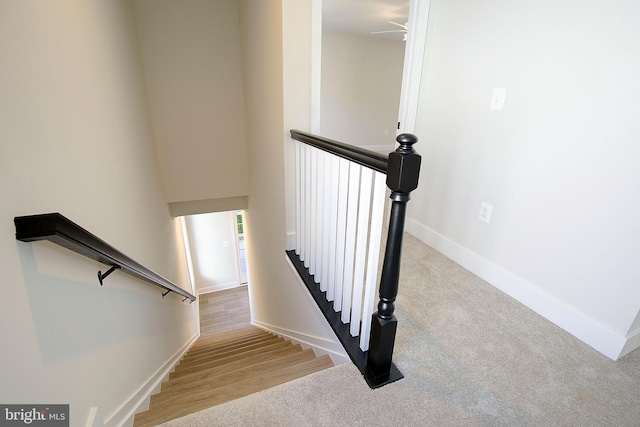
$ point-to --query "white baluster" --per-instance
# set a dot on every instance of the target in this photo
(299, 213)
(319, 213)
(312, 211)
(326, 221)
(366, 177)
(341, 230)
(350, 244)
(307, 205)
(333, 225)
(373, 258)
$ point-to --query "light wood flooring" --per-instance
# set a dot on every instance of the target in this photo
(231, 359)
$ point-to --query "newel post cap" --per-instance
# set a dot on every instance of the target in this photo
(404, 165)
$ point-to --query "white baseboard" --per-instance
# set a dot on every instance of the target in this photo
(123, 416)
(291, 240)
(568, 318)
(218, 287)
(95, 418)
(319, 345)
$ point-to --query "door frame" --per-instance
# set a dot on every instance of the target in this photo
(413, 61)
(411, 72)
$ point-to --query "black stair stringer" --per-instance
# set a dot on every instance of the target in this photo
(350, 344)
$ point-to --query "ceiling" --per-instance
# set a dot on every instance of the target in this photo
(361, 17)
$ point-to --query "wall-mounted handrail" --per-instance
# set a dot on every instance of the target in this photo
(62, 231)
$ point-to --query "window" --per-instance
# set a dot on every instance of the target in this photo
(242, 253)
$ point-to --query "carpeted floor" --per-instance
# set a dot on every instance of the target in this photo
(471, 356)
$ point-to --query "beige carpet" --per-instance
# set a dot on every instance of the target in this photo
(471, 356)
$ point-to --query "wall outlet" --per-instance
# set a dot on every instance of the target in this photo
(485, 212)
(497, 98)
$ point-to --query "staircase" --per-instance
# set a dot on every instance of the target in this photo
(231, 359)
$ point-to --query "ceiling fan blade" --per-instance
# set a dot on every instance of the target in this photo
(390, 31)
(399, 25)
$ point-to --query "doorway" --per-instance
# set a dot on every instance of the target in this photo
(368, 85)
(216, 244)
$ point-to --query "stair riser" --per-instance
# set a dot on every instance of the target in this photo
(208, 338)
(195, 354)
(220, 362)
(226, 354)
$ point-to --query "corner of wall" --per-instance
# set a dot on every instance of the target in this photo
(633, 342)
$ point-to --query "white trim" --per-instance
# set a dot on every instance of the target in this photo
(95, 418)
(320, 346)
(316, 64)
(139, 400)
(413, 60)
(568, 318)
(218, 287)
(234, 224)
(187, 250)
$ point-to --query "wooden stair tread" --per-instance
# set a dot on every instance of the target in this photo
(228, 359)
(232, 345)
(231, 359)
(198, 402)
(220, 353)
(187, 391)
(229, 367)
(206, 338)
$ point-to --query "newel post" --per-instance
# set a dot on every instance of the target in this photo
(402, 179)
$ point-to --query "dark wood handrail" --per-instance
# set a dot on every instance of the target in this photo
(359, 155)
(62, 231)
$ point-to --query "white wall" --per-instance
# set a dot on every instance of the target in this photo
(214, 247)
(75, 139)
(191, 55)
(559, 163)
(278, 300)
(360, 90)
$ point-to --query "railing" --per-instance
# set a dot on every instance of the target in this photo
(60, 230)
(340, 193)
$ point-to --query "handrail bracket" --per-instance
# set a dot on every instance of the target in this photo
(101, 276)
